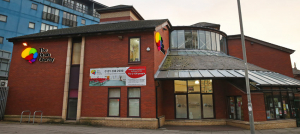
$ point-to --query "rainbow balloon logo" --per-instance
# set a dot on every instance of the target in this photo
(30, 54)
(159, 42)
(93, 72)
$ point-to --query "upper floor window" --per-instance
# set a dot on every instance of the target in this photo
(31, 25)
(51, 14)
(83, 21)
(134, 50)
(68, 3)
(81, 8)
(1, 40)
(198, 39)
(34, 6)
(76, 53)
(52, 1)
(3, 18)
(46, 27)
(69, 19)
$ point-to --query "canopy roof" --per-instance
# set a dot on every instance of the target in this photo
(202, 64)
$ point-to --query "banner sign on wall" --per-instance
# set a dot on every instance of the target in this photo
(118, 76)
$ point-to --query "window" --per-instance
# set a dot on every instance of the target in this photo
(52, 1)
(3, 18)
(81, 8)
(114, 102)
(194, 99)
(1, 40)
(31, 25)
(83, 21)
(68, 3)
(198, 39)
(34, 6)
(76, 53)
(134, 50)
(280, 104)
(51, 14)
(69, 19)
(46, 27)
(134, 99)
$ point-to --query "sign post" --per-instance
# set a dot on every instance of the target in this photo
(250, 110)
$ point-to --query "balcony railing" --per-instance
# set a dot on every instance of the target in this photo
(72, 5)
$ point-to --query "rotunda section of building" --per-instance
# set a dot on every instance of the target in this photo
(198, 38)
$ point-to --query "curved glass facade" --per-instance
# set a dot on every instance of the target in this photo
(198, 39)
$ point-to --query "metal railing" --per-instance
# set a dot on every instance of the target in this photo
(41, 115)
(22, 115)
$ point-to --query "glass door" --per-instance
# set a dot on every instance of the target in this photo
(231, 108)
(239, 108)
(235, 108)
(278, 105)
(181, 106)
(194, 106)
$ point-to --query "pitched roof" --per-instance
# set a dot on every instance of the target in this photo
(196, 60)
(96, 28)
(238, 36)
(120, 8)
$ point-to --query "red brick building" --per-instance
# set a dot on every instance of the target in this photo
(148, 73)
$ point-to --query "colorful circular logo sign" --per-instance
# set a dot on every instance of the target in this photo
(93, 72)
(30, 54)
(158, 40)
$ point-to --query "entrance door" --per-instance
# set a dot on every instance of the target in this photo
(235, 107)
(194, 106)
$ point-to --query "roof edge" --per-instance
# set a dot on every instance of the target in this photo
(281, 48)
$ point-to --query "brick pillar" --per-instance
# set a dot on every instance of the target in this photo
(67, 78)
(80, 80)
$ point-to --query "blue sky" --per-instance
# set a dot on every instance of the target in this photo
(274, 21)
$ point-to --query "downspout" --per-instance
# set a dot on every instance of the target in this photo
(156, 103)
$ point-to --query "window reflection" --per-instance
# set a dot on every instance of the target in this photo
(198, 39)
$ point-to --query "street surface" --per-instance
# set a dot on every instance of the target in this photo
(24, 128)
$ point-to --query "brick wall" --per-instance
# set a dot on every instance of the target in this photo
(257, 99)
(108, 51)
(37, 86)
(262, 56)
(169, 107)
(160, 100)
(158, 55)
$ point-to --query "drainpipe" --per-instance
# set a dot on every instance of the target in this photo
(156, 103)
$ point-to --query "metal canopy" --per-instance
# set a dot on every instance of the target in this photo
(262, 78)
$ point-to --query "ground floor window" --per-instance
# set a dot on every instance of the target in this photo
(134, 98)
(194, 99)
(114, 102)
(279, 104)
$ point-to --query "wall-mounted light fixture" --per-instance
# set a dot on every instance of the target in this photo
(148, 49)
(164, 29)
(120, 37)
(252, 43)
(25, 44)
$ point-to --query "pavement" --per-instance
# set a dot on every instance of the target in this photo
(24, 128)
